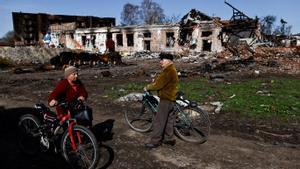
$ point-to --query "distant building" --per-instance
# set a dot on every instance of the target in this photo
(30, 28)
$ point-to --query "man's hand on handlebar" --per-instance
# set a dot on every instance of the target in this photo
(145, 89)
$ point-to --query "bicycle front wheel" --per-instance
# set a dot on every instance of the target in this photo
(86, 154)
(139, 117)
(192, 125)
(28, 134)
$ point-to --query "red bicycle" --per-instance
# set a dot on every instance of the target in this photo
(77, 143)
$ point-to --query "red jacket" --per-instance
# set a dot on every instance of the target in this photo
(65, 92)
(110, 45)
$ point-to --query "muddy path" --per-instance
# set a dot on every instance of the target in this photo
(121, 147)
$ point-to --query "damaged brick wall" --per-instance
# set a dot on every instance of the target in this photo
(154, 38)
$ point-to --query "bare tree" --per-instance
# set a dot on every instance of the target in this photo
(283, 29)
(267, 24)
(130, 14)
(151, 12)
(8, 38)
(172, 19)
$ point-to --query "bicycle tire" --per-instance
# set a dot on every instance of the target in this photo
(87, 153)
(139, 117)
(198, 131)
(28, 134)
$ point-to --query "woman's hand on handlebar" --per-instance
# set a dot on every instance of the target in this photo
(81, 98)
(53, 103)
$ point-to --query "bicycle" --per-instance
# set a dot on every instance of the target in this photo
(45, 132)
(192, 124)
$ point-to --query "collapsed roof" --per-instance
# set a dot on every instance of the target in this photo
(239, 26)
(187, 25)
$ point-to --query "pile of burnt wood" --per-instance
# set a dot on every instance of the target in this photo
(84, 58)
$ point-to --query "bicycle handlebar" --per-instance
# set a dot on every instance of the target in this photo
(179, 97)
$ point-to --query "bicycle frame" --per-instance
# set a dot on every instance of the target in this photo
(177, 108)
(191, 122)
(71, 122)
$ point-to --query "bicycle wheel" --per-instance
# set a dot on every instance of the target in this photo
(86, 155)
(28, 134)
(192, 125)
(139, 117)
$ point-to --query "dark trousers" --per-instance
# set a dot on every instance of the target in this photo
(163, 123)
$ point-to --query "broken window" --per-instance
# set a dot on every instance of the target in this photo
(119, 39)
(130, 40)
(206, 45)
(147, 35)
(206, 33)
(83, 40)
(147, 45)
(170, 41)
(93, 41)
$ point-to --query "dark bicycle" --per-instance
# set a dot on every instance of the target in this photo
(192, 123)
(45, 132)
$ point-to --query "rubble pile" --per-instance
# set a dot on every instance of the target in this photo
(29, 54)
(285, 59)
(143, 55)
(78, 58)
(224, 65)
(282, 59)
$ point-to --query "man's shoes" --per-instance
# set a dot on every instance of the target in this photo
(150, 145)
(170, 142)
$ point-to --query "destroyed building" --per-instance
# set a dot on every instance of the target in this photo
(196, 32)
(30, 28)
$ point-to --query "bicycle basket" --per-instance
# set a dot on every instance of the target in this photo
(83, 115)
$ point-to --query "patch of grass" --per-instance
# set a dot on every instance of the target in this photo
(255, 98)
(122, 90)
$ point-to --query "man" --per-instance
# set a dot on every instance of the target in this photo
(167, 86)
(69, 89)
(110, 44)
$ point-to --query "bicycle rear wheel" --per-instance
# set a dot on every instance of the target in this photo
(193, 125)
(28, 134)
(86, 155)
(139, 117)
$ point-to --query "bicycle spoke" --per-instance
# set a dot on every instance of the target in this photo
(139, 117)
(28, 134)
(192, 125)
(86, 154)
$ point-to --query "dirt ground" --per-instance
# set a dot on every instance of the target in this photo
(233, 142)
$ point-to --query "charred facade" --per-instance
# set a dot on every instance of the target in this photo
(30, 28)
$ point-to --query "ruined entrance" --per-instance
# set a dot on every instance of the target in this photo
(93, 41)
(147, 40)
(170, 39)
(119, 38)
(83, 40)
(147, 45)
(206, 45)
(130, 40)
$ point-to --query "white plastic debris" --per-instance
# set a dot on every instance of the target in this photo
(219, 106)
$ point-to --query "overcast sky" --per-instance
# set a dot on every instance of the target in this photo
(286, 9)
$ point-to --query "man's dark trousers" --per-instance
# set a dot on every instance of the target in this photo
(163, 123)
